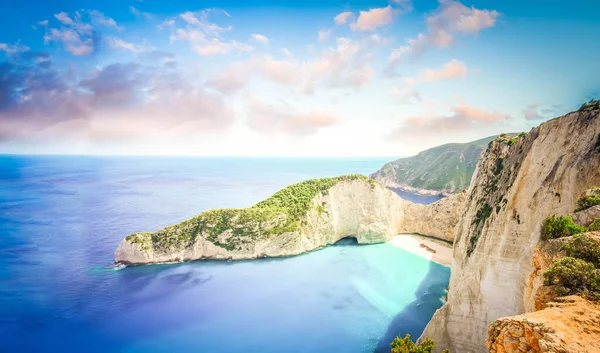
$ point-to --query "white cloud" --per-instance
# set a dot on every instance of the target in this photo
(323, 35)
(200, 20)
(167, 23)
(271, 119)
(537, 111)
(449, 19)
(260, 38)
(13, 49)
(347, 65)
(136, 12)
(72, 40)
(463, 118)
(64, 18)
(343, 18)
(406, 95)
(100, 18)
(406, 5)
(118, 43)
(374, 18)
(76, 34)
(204, 36)
(452, 69)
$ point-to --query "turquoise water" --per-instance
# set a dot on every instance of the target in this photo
(62, 218)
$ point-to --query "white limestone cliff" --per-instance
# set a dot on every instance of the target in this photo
(517, 184)
(359, 208)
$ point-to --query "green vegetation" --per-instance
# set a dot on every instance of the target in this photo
(593, 104)
(579, 271)
(143, 238)
(588, 201)
(482, 214)
(296, 199)
(280, 213)
(406, 345)
(480, 217)
(560, 226)
(595, 225)
(510, 140)
(584, 248)
(573, 276)
(447, 168)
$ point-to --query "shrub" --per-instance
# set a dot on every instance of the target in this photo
(573, 276)
(595, 225)
(591, 105)
(406, 345)
(585, 248)
(560, 226)
(587, 202)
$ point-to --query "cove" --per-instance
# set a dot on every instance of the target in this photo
(344, 298)
(63, 216)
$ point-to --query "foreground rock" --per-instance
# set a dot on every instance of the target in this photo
(517, 184)
(568, 325)
(297, 219)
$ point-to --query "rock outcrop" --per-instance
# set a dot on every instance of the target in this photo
(518, 182)
(568, 325)
(300, 218)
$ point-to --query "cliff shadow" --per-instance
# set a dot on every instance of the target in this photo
(415, 316)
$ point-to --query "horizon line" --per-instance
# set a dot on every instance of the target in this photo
(188, 156)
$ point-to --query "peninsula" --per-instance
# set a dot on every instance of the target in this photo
(297, 219)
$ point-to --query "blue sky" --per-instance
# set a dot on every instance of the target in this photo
(287, 78)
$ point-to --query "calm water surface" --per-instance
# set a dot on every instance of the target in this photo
(62, 217)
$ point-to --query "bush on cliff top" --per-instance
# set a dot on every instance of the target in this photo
(579, 272)
(587, 201)
(406, 345)
(278, 214)
(296, 199)
(560, 226)
(595, 225)
(573, 276)
(593, 104)
(584, 248)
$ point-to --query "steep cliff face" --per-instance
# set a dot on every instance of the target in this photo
(351, 206)
(517, 184)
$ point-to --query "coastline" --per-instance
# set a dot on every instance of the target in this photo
(423, 192)
(412, 243)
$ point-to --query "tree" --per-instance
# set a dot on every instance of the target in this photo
(406, 345)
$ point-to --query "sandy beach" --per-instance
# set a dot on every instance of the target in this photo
(412, 243)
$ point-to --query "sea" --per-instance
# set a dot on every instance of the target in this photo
(62, 217)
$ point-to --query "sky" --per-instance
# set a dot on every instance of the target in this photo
(287, 78)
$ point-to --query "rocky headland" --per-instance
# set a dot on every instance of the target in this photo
(499, 258)
(441, 170)
(297, 219)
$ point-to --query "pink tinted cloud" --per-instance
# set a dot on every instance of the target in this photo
(343, 18)
(462, 119)
(449, 19)
(373, 18)
(270, 119)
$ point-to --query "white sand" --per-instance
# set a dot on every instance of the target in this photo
(411, 242)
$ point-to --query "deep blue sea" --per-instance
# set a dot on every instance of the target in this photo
(61, 218)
